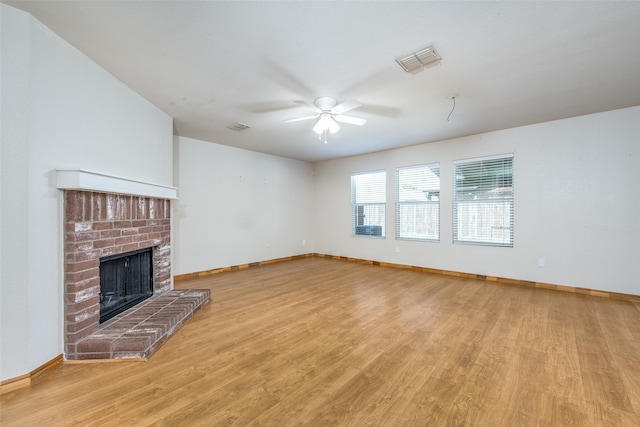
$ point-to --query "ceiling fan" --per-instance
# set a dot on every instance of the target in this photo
(329, 113)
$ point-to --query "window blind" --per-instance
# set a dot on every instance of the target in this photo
(418, 202)
(483, 201)
(368, 192)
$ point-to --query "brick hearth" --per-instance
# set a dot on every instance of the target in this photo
(137, 332)
(98, 225)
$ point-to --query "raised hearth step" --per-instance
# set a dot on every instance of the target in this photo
(138, 332)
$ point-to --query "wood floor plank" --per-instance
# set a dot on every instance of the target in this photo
(318, 341)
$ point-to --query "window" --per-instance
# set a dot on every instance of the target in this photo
(418, 202)
(483, 201)
(368, 194)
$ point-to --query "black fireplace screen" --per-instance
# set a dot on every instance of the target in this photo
(125, 280)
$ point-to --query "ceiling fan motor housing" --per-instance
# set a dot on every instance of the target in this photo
(325, 103)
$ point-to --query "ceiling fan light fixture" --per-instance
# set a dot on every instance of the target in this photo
(329, 113)
(333, 126)
(326, 123)
(320, 125)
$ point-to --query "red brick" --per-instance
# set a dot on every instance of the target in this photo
(110, 250)
(82, 291)
(75, 247)
(83, 265)
(152, 208)
(86, 206)
(103, 225)
(105, 234)
(131, 343)
(158, 209)
(109, 208)
(87, 255)
(82, 236)
(88, 294)
(167, 209)
(122, 208)
(81, 276)
(164, 209)
(140, 238)
(75, 336)
(81, 316)
(129, 231)
(75, 307)
(161, 209)
(94, 345)
(82, 227)
(73, 206)
(98, 205)
(139, 223)
(130, 247)
(79, 326)
(123, 240)
(104, 243)
(94, 356)
(162, 251)
(122, 224)
(136, 208)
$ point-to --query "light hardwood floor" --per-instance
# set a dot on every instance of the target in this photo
(324, 342)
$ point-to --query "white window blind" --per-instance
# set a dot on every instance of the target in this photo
(418, 202)
(483, 201)
(369, 203)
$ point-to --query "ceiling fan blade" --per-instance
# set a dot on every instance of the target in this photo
(351, 120)
(349, 105)
(269, 107)
(308, 104)
(301, 118)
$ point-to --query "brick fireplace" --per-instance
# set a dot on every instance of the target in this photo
(100, 224)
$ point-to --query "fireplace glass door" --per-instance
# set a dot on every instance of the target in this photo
(125, 280)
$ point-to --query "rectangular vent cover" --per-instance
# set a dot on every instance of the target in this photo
(238, 126)
(419, 59)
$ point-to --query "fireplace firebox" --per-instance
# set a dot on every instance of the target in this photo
(125, 280)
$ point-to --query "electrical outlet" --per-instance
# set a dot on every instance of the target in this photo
(541, 262)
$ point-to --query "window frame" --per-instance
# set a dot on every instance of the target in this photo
(416, 203)
(359, 225)
(502, 203)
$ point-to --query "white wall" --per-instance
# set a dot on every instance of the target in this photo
(237, 206)
(577, 198)
(576, 191)
(59, 110)
(14, 40)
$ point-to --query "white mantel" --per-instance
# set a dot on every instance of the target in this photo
(79, 179)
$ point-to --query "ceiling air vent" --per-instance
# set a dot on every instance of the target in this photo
(238, 126)
(419, 59)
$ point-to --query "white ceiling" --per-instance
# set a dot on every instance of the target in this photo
(209, 64)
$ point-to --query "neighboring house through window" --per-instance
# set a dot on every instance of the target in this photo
(418, 202)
